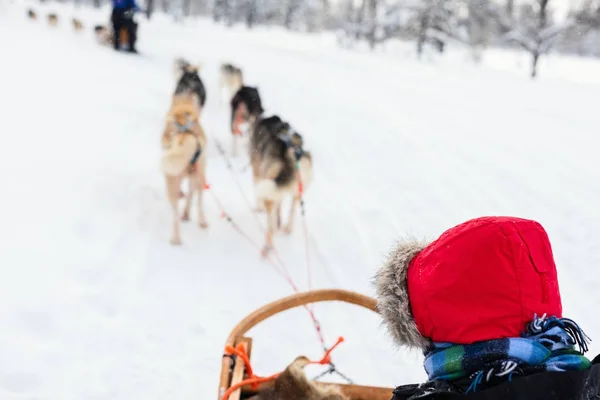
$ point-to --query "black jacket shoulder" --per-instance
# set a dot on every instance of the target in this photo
(572, 385)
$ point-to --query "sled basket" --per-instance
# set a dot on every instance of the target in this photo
(233, 369)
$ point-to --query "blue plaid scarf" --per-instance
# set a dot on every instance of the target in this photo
(548, 344)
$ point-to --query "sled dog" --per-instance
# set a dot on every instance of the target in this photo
(184, 156)
(246, 109)
(31, 14)
(52, 19)
(281, 168)
(77, 24)
(104, 35)
(293, 384)
(231, 80)
(189, 82)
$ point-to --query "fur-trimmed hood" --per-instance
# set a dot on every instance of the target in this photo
(481, 280)
(393, 302)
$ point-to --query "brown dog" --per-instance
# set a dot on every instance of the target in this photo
(293, 384)
(103, 35)
(52, 19)
(77, 24)
(184, 156)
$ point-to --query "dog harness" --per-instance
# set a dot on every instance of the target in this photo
(286, 138)
(181, 129)
(184, 128)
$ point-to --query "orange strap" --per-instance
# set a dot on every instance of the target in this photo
(300, 183)
(253, 380)
(327, 357)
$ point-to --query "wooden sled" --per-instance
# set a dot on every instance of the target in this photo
(233, 369)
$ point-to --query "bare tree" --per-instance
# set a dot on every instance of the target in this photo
(149, 8)
(371, 9)
(510, 9)
(186, 7)
(291, 9)
(535, 31)
(477, 27)
(433, 21)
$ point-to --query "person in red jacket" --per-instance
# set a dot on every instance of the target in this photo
(483, 304)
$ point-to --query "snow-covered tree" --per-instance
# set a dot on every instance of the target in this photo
(477, 24)
(535, 30)
(306, 15)
(220, 10)
(433, 21)
(583, 37)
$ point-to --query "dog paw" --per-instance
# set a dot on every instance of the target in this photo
(203, 224)
(185, 216)
(265, 251)
(287, 230)
(175, 241)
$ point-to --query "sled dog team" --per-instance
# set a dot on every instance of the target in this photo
(53, 19)
(281, 167)
(103, 33)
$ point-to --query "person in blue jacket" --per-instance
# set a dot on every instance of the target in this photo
(122, 17)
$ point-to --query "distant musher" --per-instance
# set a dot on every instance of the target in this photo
(122, 17)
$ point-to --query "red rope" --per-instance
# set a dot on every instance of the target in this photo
(278, 263)
(253, 380)
(279, 269)
(255, 215)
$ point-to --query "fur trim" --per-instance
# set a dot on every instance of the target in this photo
(393, 302)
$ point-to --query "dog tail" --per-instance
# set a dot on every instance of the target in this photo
(178, 156)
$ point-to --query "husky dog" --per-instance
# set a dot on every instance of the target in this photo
(103, 34)
(281, 168)
(31, 14)
(184, 156)
(52, 19)
(246, 109)
(293, 384)
(188, 81)
(77, 24)
(230, 81)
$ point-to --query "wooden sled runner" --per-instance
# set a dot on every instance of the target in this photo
(233, 370)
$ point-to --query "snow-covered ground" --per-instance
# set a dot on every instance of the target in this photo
(94, 302)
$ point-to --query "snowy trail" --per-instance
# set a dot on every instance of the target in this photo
(97, 305)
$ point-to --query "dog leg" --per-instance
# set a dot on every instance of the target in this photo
(234, 145)
(278, 216)
(200, 201)
(271, 222)
(188, 201)
(173, 195)
(260, 206)
(290, 224)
